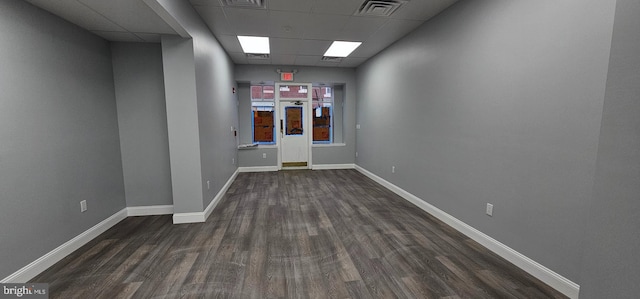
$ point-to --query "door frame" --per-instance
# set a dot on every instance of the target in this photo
(307, 118)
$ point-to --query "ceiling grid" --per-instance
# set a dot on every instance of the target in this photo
(300, 31)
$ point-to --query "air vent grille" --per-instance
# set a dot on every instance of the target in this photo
(379, 8)
(331, 59)
(261, 4)
(257, 56)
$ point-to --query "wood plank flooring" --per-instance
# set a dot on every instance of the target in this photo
(292, 234)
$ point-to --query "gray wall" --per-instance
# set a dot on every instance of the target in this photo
(59, 132)
(347, 111)
(611, 263)
(142, 119)
(215, 110)
(182, 124)
(495, 102)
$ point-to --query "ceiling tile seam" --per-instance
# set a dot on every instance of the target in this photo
(205, 22)
(127, 32)
(105, 17)
(140, 37)
(226, 18)
(374, 32)
(308, 14)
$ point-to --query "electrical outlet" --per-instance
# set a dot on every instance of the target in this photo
(356, 154)
(490, 209)
(233, 161)
(358, 126)
(393, 169)
(264, 155)
(83, 206)
(208, 185)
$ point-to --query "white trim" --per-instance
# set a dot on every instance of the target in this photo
(328, 144)
(150, 210)
(333, 166)
(553, 279)
(295, 168)
(44, 262)
(220, 195)
(307, 114)
(196, 217)
(258, 169)
(267, 146)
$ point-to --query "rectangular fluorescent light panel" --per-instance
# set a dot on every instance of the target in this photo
(341, 49)
(254, 44)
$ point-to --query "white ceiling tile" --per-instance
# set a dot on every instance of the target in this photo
(290, 5)
(134, 16)
(421, 10)
(206, 2)
(284, 45)
(323, 26)
(215, 19)
(149, 37)
(118, 36)
(77, 13)
(287, 24)
(283, 59)
(352, 61)
(259, 61)
(307, 60)
(372, 47)
(230, 43)
(238, 58)
(248, 21)
(395, 29)
(359, 28)
(339, 7)
(313, 47)
(327, 64)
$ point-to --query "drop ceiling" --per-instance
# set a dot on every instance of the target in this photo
(300, 31)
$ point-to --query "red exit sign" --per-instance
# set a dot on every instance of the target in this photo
(286, 76)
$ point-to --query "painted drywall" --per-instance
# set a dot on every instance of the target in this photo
(346, 110)
(611, 263)
(258, 157)
(58, 131)
(244, 118)
(216, 105)
(495, 102)
(142, 120)
(182, 124)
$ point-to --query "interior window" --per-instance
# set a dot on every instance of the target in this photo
(322, 114)
(263, 108)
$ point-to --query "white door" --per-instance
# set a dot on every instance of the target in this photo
(294, 125)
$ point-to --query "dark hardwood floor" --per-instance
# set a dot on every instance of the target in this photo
(292, 234)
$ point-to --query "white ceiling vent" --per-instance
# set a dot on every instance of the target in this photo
(257, 56)
(331, 59)
(261, 4)
(379, 8)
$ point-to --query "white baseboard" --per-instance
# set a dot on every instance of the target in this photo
(258, 169)
(150, 210)
(332, 166)
(195, 217)
(220, 195)
(553, 279)
(44, 262)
